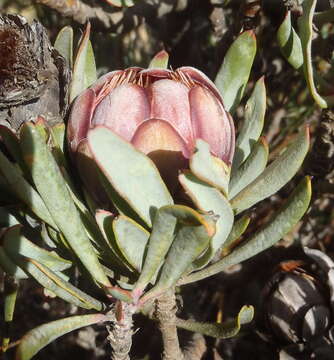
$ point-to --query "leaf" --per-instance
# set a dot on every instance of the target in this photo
(160, 60)
(136, 180)
(290, 43)
(276, 175)
(52, 187)
(38, 338)
(84, 71)
(190, 241)
(208, 168)
(10, 295)
(252, 127)
(305, 26)
(53, 282)
(24, 191)
(131, 239)
(225, 330)
(64, 44)
(278, 226)
(15, 243)
(9, 267)
(233, 75)
(209, 199)
(239, 227)
(250, 169)
(162, 236)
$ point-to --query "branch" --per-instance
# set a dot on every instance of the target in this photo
(81, 12)
(165, 313)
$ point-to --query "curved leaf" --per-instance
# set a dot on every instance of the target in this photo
(208, 168)
(52, 187)
(233, 75)
(290, 43)
(253, 124)
(209, 199)
(305, 26)
(225, 330)
(136, 179)
(278, 226)
(38, 338)
(250, 169)
(276, 175)
(9, 267)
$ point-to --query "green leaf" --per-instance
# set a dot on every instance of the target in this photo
(64, 44)
(239, 227)
(252, 127)
(162, 236)
(160, 60)
(52, 187)
(278, 226)
(250, 169)
(9, 267)
(24, 191)
(208, 168)
(38, 338)
(233, 75)
(276, 175)
(225, 330)
(55, 283)
(305, 26)
(290, 43)
(84, 71)
(15, 243)
(131, 239)
(10, 295)
(209, 199)
(136, 180)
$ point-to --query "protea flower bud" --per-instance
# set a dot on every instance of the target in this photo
(299, 305)
(161, 112)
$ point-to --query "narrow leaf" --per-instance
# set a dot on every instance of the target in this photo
(233, 75)
(15, 243)
(84, 71)
(24, 191)
(278, 226)
(52, 187)
(53, 282)
(64, 44)
(290, 43)
(250, 169)
(9, 267)
(252, 127)
(136, 180)
(160, 60)
(225, 330)
(305, 25)
(208, 168)
(239, 227)
(38, 338)
(209, 199)
(276, 175)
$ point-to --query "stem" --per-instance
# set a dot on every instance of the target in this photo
(165, 313)
(120, 334)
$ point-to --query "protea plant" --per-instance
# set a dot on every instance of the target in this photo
(134, 253)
